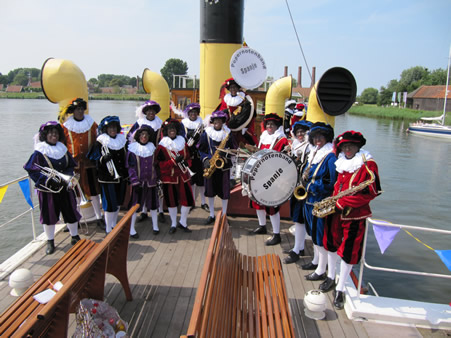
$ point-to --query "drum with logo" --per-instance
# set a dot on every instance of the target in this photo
(269, 177)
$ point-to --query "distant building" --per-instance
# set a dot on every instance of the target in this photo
(14, 89)
(36, 84)
(429, 98)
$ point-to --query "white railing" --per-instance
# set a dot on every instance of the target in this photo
(29, 211)
(363, 262)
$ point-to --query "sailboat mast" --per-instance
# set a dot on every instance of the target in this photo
(446, 89)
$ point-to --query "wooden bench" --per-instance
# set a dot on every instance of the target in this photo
(82, 270)
(239, 295)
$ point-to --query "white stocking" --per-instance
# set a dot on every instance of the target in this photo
(275, 221)
(173, 216)
(132, 224)
(195, 192)
(73, 228)
(315, 255)
(345, 270)
(154, 215)
(224, 206)
(49, 231)
(332, 258)
(109, 221)
(211, 204)
(184, 211)
(202, 193)
(261, 215)
(322, 261)
(299, 237)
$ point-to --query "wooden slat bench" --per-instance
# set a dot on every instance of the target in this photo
(82, 271)
(239, 295)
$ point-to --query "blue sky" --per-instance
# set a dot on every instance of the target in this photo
(375, 40)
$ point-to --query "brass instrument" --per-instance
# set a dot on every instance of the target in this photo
(110, 164)
(216, 162)
(326, 207)
(300, 192)
(160, 189)
(197, 131)
(182, 166)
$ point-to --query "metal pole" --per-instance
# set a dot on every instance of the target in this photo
(362, 260)
(446, 89)
(31, 210)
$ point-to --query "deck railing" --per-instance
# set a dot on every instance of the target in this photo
(29, 211)
(363, 262)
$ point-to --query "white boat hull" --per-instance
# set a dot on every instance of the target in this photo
(432, 130)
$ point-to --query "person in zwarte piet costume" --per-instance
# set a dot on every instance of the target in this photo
(288, 114)
(192, 124)
(240, 110)
(300, 113)
(219, 182)
(320, 177)
(81, 133)
(272, 137)
(173, 159)
(147, 115)
(300, 148)
(109, 153)
(345, 229)
(54, 195)
(143, 176)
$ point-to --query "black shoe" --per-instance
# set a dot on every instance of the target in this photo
(327, 285)
(205, 207)
(75, 239)
(186, 229)
(192, 208)
(339, 300)
(135, 236)
(287, 251)
(261, 230)
(161, 218)
(314, 276)
(172, 230)
(66, 229)
(50, 247)
(156, 232)
(292, 257)
(210, 220)
(142, 216)
(101, 224)
(275, 239)
(309, 266)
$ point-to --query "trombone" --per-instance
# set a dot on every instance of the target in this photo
(110, 164)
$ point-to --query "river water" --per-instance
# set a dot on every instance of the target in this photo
(414, 174)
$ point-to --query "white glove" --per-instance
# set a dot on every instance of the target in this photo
(243, 131)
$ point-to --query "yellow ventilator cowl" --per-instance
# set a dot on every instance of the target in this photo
(331, 96)
(155, 85)
(62, 81)
(279, 91)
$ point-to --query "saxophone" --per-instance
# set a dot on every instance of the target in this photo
(216, 162)
(326, 207)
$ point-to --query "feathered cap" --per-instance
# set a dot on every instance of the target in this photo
(289, 103)
(350, 136)
(142, 108)
(170, 122)
(108, 121)
(142, 129)
(320, 128)
(305, 125)
(272, 117)
(219, 114)
(191, 106)
(46, 127)
(69, 109)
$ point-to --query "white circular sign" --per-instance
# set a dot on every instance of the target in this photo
(248, 68)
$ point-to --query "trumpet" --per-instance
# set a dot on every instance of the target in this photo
(110, 164)
(197, 131)
(182, 166)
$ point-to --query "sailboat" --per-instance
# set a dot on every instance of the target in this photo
(434, 129)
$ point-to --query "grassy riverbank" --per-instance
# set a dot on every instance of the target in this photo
(395, 113)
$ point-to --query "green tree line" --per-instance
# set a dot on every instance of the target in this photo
(410, 79)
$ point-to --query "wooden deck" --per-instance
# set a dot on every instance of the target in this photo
(164, 272)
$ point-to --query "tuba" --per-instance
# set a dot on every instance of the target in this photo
(326, 207)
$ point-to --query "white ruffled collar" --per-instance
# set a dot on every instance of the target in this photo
(191, 124)
(142, 150)
(234, 101)
(113, 143)
(320, 154)
(177, 144)
(79, 127)
(217, 135)
(55, 152)
(353, 164)
(265, 138)
(289, 111)
(155, 124)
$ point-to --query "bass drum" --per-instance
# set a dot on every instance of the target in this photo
(269, 177)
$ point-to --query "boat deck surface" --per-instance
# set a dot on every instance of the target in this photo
(164, 272)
